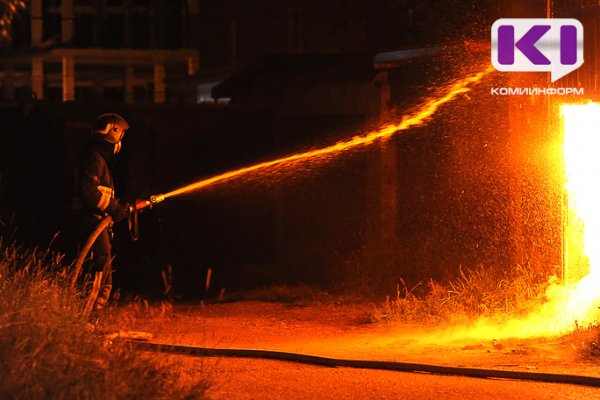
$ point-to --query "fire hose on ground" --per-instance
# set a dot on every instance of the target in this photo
(367, 364)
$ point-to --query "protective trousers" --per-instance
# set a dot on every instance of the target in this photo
(84, 224)
(102, 260)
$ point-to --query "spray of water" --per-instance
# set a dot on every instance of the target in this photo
(418, 117)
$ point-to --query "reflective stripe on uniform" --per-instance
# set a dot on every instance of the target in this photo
(106, 194)
(104, 202)
(106, 190)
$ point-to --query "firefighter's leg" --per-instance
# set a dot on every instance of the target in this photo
(103, 262)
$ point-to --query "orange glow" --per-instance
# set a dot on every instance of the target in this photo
(421, 115)
(573, 304)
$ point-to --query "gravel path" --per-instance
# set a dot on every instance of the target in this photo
(345, 332)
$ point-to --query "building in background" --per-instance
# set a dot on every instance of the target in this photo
(146, 50)
(94, 51)
(160, 51)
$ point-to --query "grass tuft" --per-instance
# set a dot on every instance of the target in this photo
(474, 294)
(48, 352)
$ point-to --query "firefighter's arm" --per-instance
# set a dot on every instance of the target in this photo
(96, 196)
(118, 210)
(92, 193)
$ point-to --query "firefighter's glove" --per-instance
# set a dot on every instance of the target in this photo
(118, 210)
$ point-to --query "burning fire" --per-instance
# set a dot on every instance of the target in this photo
(575, 303)
(582, 167)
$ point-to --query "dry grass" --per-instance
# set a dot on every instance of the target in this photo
(586, 341)
(475, 293)
(48, 352)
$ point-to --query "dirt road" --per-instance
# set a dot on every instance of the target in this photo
(346, 332)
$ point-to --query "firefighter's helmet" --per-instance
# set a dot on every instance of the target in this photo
(111, 127)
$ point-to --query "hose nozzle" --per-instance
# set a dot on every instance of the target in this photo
(154, 199)
(157, 198)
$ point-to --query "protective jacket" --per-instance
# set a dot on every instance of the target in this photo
(94, 189)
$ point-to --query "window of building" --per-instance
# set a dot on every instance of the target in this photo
(21, 31)
(51, 26)
(139, 32)
(113, 32)
(84, 31)
(113, 95)
(173, 31)
(173, 20)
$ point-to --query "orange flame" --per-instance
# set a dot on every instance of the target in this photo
(574, 304)
(412, 120)
(582, 166)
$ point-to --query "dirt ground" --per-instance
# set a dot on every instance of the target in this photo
(346, 331)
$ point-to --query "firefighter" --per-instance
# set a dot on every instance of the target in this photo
(94, 195)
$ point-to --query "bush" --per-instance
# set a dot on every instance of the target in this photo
(476, 293)
(48, 352)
